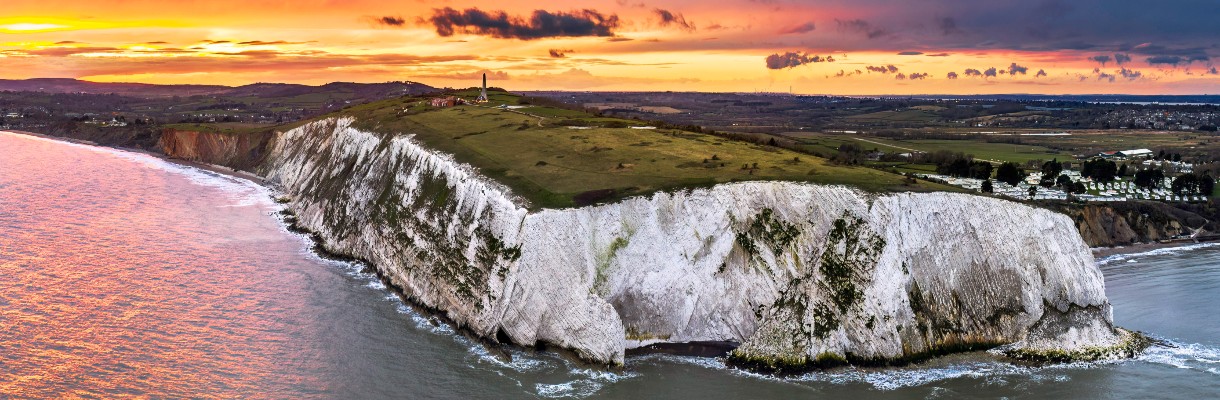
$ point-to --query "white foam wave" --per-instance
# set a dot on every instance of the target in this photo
(1191, 356)
(1155, 252)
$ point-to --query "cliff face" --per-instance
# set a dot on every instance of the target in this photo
(1120, 224)
(238, 151)
(799, 274)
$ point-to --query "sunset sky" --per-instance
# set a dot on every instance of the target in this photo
(818, 47)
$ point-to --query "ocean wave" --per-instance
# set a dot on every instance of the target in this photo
(1191, 356)
(1155, 252)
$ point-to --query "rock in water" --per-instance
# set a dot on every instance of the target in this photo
(801, 275)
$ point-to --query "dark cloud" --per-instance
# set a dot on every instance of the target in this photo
(1130, 74)
(1174, 60)
(973, 72)
(885, 69)
(671, 18)
(1102, 76)
(843, 73)
(61, 51)
(793, 59)
(620, 39)
(917, 75)
(66, 42)
(391, 21)
(156, 42)
(1041, 73)
(937, 55)
(911, 53)
(1120, 58)
(901, 77)
(1017, 69)
(948, 26)
(541, 24)
(1102, 59)
(802, 28)
(952, 75)
(216, 41)
(990, 73)
(262, 43)
(558, 53)
(1213, 71)
(472, 75)
(861, 27)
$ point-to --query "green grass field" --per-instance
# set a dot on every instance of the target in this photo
(551, 164)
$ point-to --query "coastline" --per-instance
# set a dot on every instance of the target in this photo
(1099, 253)
(219, 169)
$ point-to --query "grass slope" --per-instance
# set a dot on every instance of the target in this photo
(557, 166)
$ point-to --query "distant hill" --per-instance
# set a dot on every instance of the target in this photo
(261, 90)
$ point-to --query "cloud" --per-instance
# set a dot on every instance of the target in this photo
(1102, 76)
(793, 59)
(559, 53)
(798, 29)
(973, 72)
(861, 27)
(900, 77)
(937, 55)
(60, 51)
(542, 24)
(1041, 73)
(1213, 71)
(391, 21)
(990, 72)
(952, 75)
(1130, 74)
(1121, 58)
(1175, 60)
(917, 75)
(843, 73)
(1102, 59)
(948, 26)
(882, 68)
(262, 43)
(1017, 69)
(472, 75)
(911, 53)
(670, 18)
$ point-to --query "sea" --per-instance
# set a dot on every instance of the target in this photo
(124, 275)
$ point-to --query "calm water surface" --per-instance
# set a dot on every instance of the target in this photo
(123, 275)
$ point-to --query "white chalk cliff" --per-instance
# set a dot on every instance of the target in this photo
(796, 273)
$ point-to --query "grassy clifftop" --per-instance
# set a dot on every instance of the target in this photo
(557, 157)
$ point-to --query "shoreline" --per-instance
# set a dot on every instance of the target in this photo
(219, 169)
(1100, 253)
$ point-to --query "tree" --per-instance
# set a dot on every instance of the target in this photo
(1149, 178)
(1122, 170)
(1100, 169)
(1033, 190)
(1206, 185)
(1050, 170)
(1010, 173)
(980, 170)
(1063, 182)
(987, 187)
(1185, 184)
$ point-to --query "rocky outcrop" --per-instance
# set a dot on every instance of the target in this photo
(799, 274)
(1120, 224)
(238, 151)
